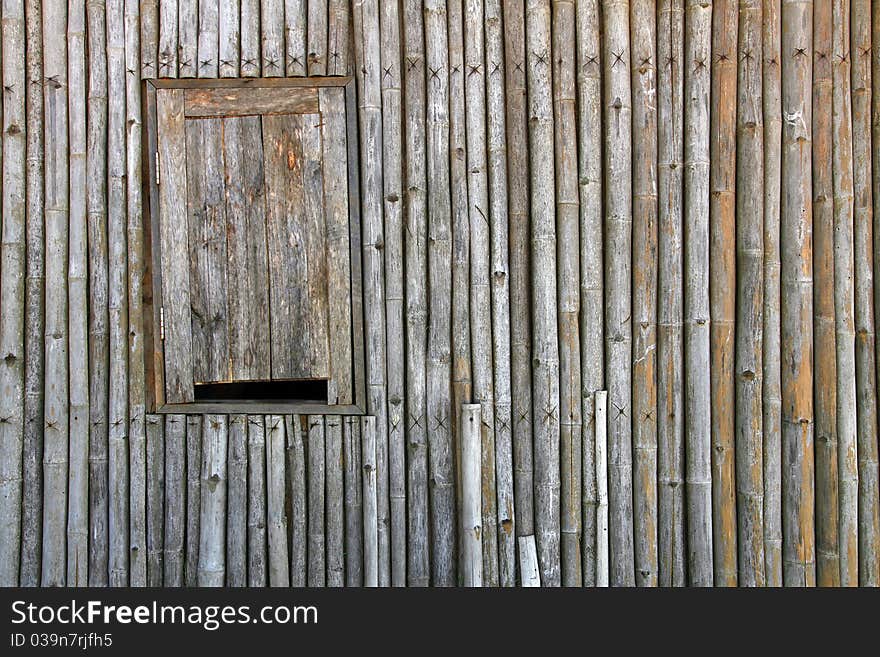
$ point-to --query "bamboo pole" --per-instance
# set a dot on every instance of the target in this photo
(168, 33)
(34, 319)
(392, 181)
(334, 500)
(276, 522)
(338, 37)
(471, 516)
(516, 121)
(772, 402)
(316, 500)
(250, 38)
(175, 500)
(796, 280)
(601, 439)
(843, 298)
(354, 508)
(545, 345)
(415, 552)
(295, 28)
(55, 446)
(371, 517)
(722, 286)
(12, 289)
(188, 38)
(367, 66)
(698, 19)
(317, 37)
(256, 505)
(875, 136)
(296, 475)
(438, 368)
(236, 516)
(155, 500)
(149, 38)
(618, 265)
(208, 39)
(212, 525)
(194, 428)
(273, 26)
(749, 298)
(645, 276)
(528, 562)
(672, 561)
(568, 291)
(825, 386)
(863, 245)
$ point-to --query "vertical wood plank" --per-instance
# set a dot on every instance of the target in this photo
(316, 32)
(338, 37)
(155, 499)
(297, 469)
(250, 38)
(295, 25)
(334, 500)
(194, 430)
(236, 513)
(212, 525)
(272, 35)
(229, 34)
(175, 500)
(188, 38)
(256, 504)
(168, 32)
(354, 519)
(149, 38)
(276, 521)
(208, 39)
(316, 500)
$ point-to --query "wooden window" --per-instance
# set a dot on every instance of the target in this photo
(254, 277)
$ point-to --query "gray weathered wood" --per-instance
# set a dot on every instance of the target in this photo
(354, 518)
(276, 521)
(175, 500)
(250, 38)
(208, 39)
(316, 33)
(338, 37)
(334, 501)
(471, 513)
(600, 406)
(212, 524)
(316, 475)
(229, 35)
(155, 490)
(295, 26)
(371, 539)
(149, 37)
(528, 562)
(256, 501)
(236, 512)
(168, 32)
(272, 28)
(188, 38)
(296, 481)
(194, 431)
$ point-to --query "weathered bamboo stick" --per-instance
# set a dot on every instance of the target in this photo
(295, 27)
(698, 445)
(12, 290)
(545, 345)
(471, 516)
(256, 505)
(618, 264)
(528, 562)
(188, 38)
(149, 37)
(168, 28)
(672, 561)
(415, 552)
(229, 36)
(568, 291)
(772, 403)
(276, 521)
(825, 386)
(212, 525)
(236, 516)
(272, 41)
(796, 313)
(438, 367)
(354, 518)
(250, 38)
(516, 121)
(317, 37)
(875, 136)
(333, 477)
(600, 404)
(155, 499)
(175, 500)
(55, 446)
(316, 517)
(338, 37)
(722, 286)
(392, 181)
(749, 298)
(193, 496)
(296, 481)
(208, 39)
(371, 530)
(843, 298)
(644, 288)
(368, 65)
(34, 320)
(863, 252)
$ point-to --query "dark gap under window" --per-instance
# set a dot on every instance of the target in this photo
(312, 390)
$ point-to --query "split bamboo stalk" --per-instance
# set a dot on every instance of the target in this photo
(722, 286)
(772, 402)
(528, 562)
(276, 521)
(188, 38)
(55, 446)
(193, 497)
(441, 491)
(600, 404)
(317, 37)
(498, 227)
(168, 18)
(825, 385)
(295, 26)
(149, 38)
(796, 280)
(371, 537)
(415, 551)
(256, 502)
(272, 32)
(99, 344)
(368, 65)
(545, 345)
(12, 289)
(875, 136)
(749, 298)
(236, 516)
(175, 500)
(644, 286)
(592, 326)
(250, 39)
(863, 254)
(698, 445)
(461, 336)
(568, 290)
(471, 516)
(618, 266)
(34, 319)
(212, 526)
(136, 363)
(518, 245)
(316, 516)
(335, 496)
(672, 560)
(338, 37)
(844, 272)
(155, 490)
(354, 518)
(392, 181)
(208, 39)
(296, 481)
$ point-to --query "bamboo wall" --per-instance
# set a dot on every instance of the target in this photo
(674, 201)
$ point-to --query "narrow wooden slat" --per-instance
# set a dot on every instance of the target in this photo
(272, 37)
(354, 518)
(188, 38)
(208, 61)
(528, 562)
(194, 429)
(471, 516)
(295, 25)
(168, 33)
(316, 515)
(229, 34)
(276, 522)
(149, 38)
(250, 101)
(600, 404)
(250, 38)
(316, 32)
(296, 482)
(175, 500)
(212, 525)
(334, 501)
(155, 490)
(236, 512)
(338, 35)
(256, 503)
(371, 538)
